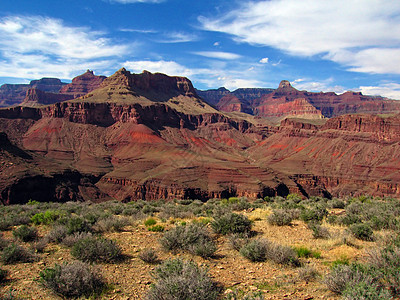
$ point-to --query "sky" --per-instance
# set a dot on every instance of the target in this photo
(318, 45)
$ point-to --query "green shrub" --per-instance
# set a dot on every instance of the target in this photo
(280, 217)
(303, 251)
(190, 238)
(156, 228)
(71, 239)
(362, 231)
(73, 280)
(93, 249)
(181, 280)
(231, 223)
(25, 233)
(315, 214)
(75, 224)
(111, 224)
(46, 218)
(366, 290)
(150, 222)
(149, 256)
(15, 253)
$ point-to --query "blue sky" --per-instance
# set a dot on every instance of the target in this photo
(318, 45)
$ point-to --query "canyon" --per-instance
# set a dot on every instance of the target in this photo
(152, 136)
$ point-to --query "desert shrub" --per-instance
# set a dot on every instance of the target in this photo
(362, 231)
(281, 254)
(262, 249)
(342, 260)
(303, 251)
(77, 224)
(315, 214)
(150, 221)
(149, 209)
(39, 245)
(256, 250)
(57, 233)
(3, 242)
(71, 239)
(240, 294)
(190, 238)
(231, 223)
(337, 203)
(156, 228)
(3, 275)
(25, 233)
(73, 280)
(319, 232)
(180, 280)
(15, 253)
(280, 217)
(110, 224)
(349, 219)
(308, 273)
(92, 249)
(365, 290)
(340, 276)
(48, 217)
(149, 256)
(238, 240)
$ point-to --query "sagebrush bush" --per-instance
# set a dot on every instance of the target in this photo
(25, 233)
(231, 223)
(57, 234)
(181, 280)
(238, 240)
(48, 217)
(15, 253)
(280, 217)
(75, 224)
(262, 249)
(319, 232)
(73, 280)
(256, 250)
(110, 224)
(189, 238)
(92, 249)
(362, 231)
(71, 239)
(308, 273)
(149, 256)
(39, 245)
(315, 214)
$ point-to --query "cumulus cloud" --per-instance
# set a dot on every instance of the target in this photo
(325, 85)
(264, 60)
(171, 68)
(350, 32)
(218, 54)
(390, 90)
(33, 47)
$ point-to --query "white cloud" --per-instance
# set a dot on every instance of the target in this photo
(389, 90)
(216, 44)
(218, 54)
(171, 68)
(138, 30)
(33, 47)
(212, 76)
(264, 60)
(340, 30)
(178, 37)
(317, 86)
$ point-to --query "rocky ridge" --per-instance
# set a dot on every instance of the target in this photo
(150, 136)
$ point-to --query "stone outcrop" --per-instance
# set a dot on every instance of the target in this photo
(82, 84)
(36, 97)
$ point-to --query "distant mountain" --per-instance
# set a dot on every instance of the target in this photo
(14, 94)
(280, 103)
(150, 136)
